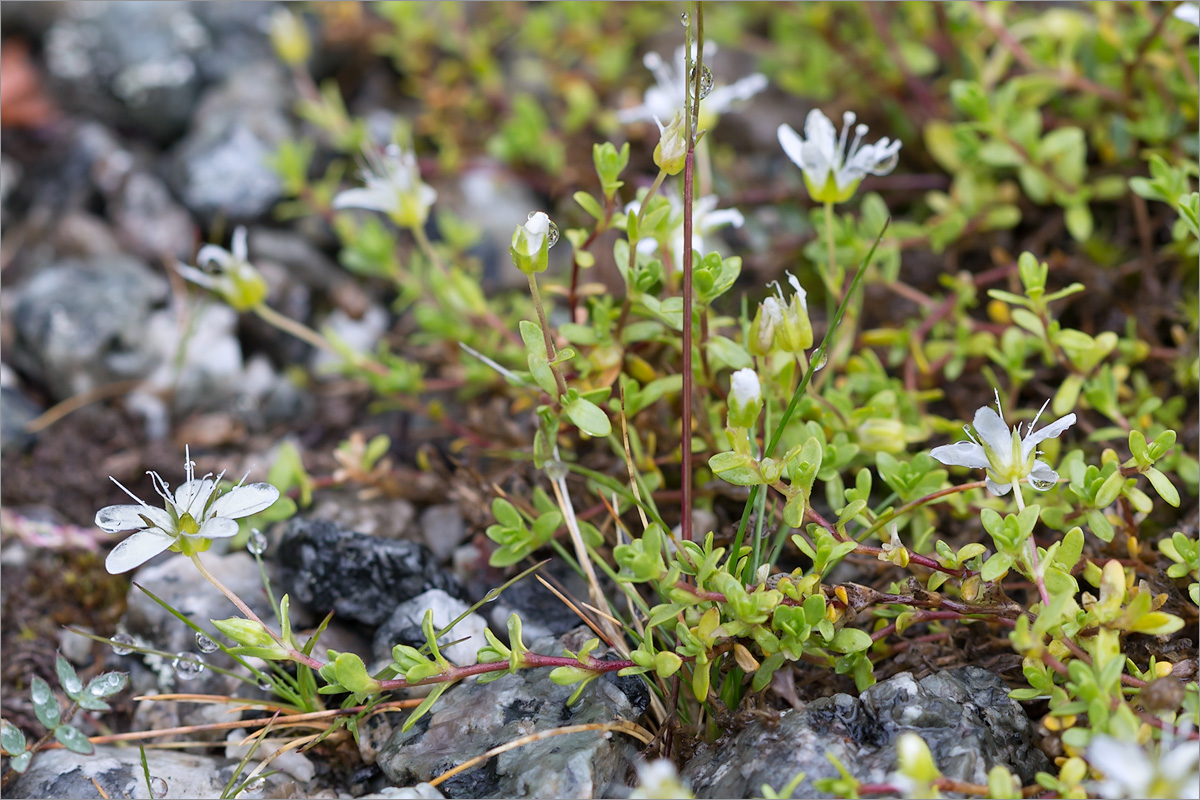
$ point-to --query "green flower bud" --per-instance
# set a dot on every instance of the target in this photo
(881, 435)
(530, 248)
(745, 399)
(248, 633)
(289, 37)
(762, 329)
(671, 152)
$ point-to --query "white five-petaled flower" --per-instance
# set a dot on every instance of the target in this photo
(1130, 771)
(193, 516)
(228, 273)
(1007, 456)
(1188, 12)
(831, 171)
(666, 96)
(393, 186)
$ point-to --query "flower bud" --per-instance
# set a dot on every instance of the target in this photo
(671, 152)
(877, 435)
(762, 329)
(745, 398)
(530, 248)
(794, 333)
(248, 633)
(289, 37)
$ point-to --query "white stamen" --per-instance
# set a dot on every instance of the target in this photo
(1036, 417)
(140, 501)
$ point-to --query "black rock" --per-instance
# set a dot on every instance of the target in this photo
(965, 716)
(360, 577)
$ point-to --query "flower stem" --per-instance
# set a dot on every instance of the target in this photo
(832, 283)
(1034, 567)
(309, 336)
(248, 612)
(541, 312)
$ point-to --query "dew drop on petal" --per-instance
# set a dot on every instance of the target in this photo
(120, 644)
(706, 80)
(187, 666)
(205, 644)
(257, 543)
(552, 235)
(158, 787)
(887, 164)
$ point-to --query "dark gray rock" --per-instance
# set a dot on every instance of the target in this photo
(81, 324)
(16, 411)
(404, 627)
(470, 719)
(361, 578)
(118, 772)
(131, 64)
(964, 715)
(542, 614)
(220, 167)
(385, 517)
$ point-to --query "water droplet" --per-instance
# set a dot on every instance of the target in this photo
(187, 666)
(684, 19)
(553, 234)
(820, 361)
(556, 470)
(205, 644)
(158, 787)
(265, 685)
(706, 80)
(257, 543)
(120, 642)
(255, 786)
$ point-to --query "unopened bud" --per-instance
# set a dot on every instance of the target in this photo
(671, 152)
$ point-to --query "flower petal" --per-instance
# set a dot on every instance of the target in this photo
(137, 550)
(992, 430)
(215, 528)
(212, 253)
(191, 497)
(1051, 431)
(998, 489)
(371, 199)
(792, 144)
(126, 518)
(723, 216)
(196, 276)
(720, 99)
(962, 454)
(245, 500)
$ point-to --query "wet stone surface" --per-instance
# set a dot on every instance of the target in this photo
(964, 715)
(361, 578)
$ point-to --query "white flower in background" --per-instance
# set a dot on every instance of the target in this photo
(193, 516)
(393, 186)
(658, 779)
(228, 273)
(1188, 12)
(831, 171)
(1129, 771)
(666, 96)
(1007, 456)
(706, 220)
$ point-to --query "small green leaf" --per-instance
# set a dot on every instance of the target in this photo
(73, 739)
(66, 676)
(850, 640)
(45, 704)
(588, 417)
(1162, 484)
(12, 739)
(21, 763)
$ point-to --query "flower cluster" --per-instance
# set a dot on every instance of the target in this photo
(193, 516)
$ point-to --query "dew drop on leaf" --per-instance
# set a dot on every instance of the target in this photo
(158, 787)
(255, 786)
(120, 644)
(820, 361)
(205, 644)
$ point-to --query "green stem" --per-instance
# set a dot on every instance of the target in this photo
(1034, 567)
(541, 312)
(832, 282)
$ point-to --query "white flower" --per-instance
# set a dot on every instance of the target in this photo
(831, 172)
(194, 515)
(658, 779)
(745, 398)
(1130, 771)
(1188, 12)
(1007, 456)
(393, 186)
(531, 243)
(666, 97)
(229, 274)
(706, 220)
(782, 322)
